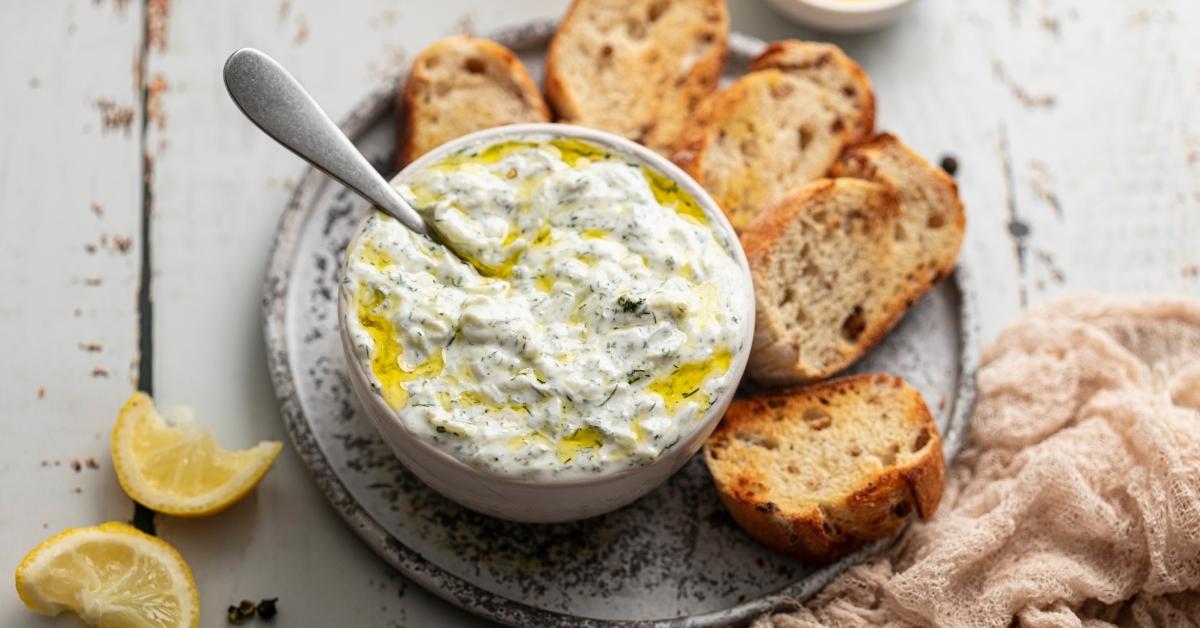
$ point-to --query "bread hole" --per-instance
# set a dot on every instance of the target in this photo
(820, 216)
(708, 37)
(806, 135)
(854, 325)
(849, 91)
(887, 458)
(922, 439)
(606, 51)
(855, 217)
(714, 453)
(811, 269)
(748, 148)
(475, 65)
(855, 451)
(791, 468)
(766, 507)
(902, 509)
(898, 233)
(817, 419)
(758, 440)
(781, 91)
(432, 62)
(936, 221)
(657, 9)
(777, 402)
(838, 125)
(635, 29)
(789, 296)
(645, 131)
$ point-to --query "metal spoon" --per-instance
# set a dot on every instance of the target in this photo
(274, 101)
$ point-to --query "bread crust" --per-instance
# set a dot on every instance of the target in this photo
(495, 63)
(656, 101)
(822, 531)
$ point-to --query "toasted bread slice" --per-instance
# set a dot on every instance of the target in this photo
(931, 233)
(825, 297)
(817, 472)
(829, 67)
(460, 85)
(823, 264)
(760, 138)
(636, 68)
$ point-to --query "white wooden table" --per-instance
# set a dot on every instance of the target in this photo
(123, 166)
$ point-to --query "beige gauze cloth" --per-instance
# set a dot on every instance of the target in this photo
(1076, 499)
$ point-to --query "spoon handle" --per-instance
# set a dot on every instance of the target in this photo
(275, 101)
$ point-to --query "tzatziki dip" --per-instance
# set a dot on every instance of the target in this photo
(590, 327)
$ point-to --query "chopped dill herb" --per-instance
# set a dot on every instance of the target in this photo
(628, 305)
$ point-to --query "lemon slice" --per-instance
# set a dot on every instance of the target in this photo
(111, 576)
(178, 468)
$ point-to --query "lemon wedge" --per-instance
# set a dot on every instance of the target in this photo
(112, 576)
(179, 469)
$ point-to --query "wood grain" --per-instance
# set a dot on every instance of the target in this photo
(70, 206)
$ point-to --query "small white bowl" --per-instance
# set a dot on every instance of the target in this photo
(842, 16)
(549, 500)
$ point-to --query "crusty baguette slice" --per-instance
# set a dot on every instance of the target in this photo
(828, 66)
(823, 264)
(817, 472)
(760, 138)
(931, 233)
(636, 68)
(824, 298)
(460, 85)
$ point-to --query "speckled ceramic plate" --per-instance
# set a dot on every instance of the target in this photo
(673, 557)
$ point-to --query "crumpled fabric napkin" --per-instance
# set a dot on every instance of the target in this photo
(1076, 500)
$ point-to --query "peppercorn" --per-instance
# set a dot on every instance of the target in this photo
(950, 165)
(266, 608)
(240, 613)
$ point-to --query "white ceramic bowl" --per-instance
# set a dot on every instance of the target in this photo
(549, 500)
(842, 16)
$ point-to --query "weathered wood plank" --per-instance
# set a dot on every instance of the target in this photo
(70, 210)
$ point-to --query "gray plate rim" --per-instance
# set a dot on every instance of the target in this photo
(413, 565)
